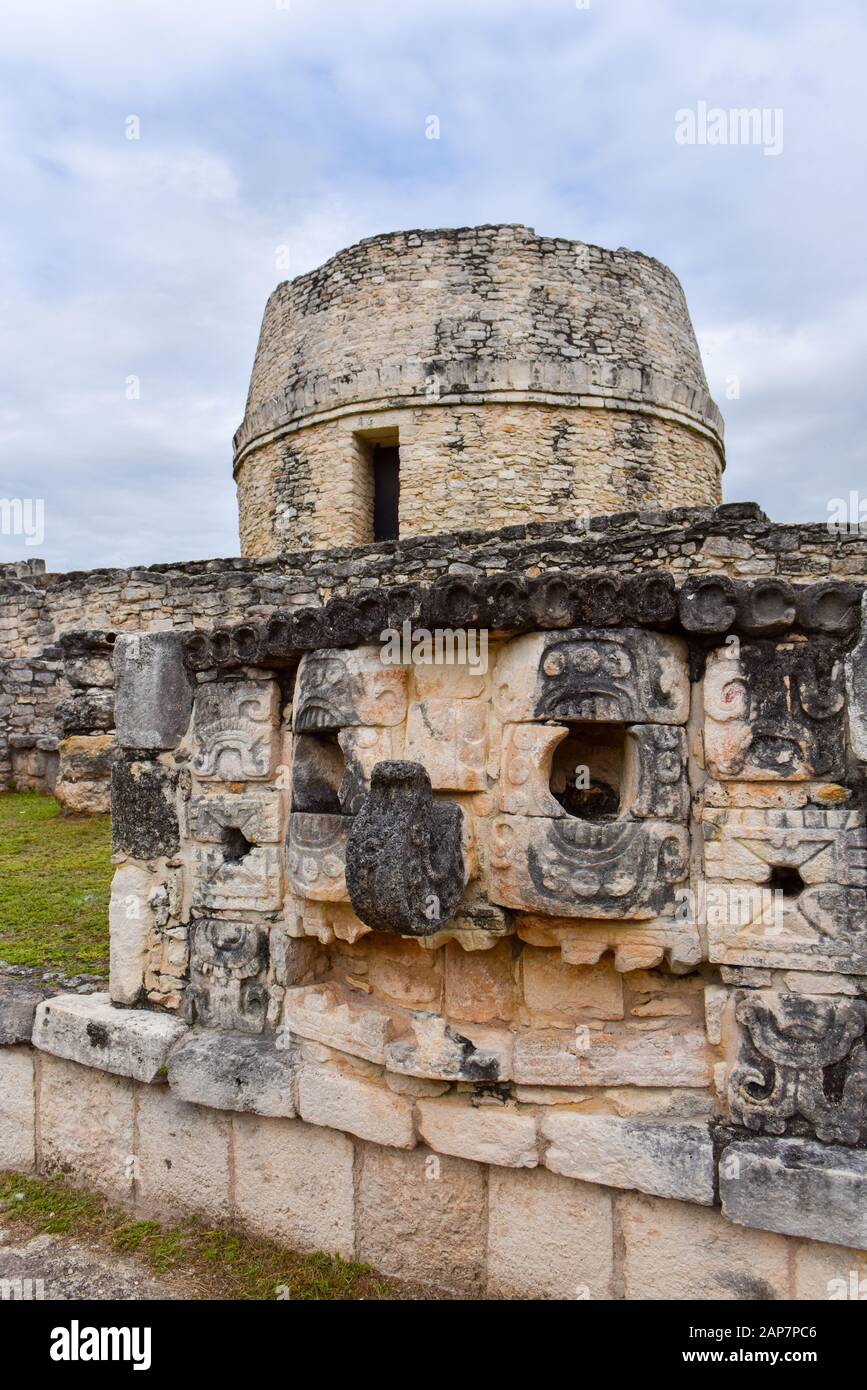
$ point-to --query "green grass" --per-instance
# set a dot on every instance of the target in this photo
(211, 1262)
(54, 886)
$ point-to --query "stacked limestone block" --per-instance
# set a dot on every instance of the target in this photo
(523, 378)
(86, 717)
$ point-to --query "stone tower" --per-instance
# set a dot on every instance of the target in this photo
(485, 376)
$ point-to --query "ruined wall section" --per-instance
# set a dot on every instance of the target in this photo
(37, 608)
(522, 375)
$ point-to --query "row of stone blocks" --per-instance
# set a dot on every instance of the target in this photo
(708, 605)
(275, 1136)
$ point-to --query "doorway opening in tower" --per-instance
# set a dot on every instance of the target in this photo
(587, 771)
(386, 491)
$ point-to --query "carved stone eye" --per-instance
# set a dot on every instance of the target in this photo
(554, 664)
(618, 662)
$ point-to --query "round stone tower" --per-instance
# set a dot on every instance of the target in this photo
(472, 378)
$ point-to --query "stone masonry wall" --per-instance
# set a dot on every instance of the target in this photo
(37, 608)
(522, 374)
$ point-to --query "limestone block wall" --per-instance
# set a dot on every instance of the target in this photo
(521, 376)
(466, 1226)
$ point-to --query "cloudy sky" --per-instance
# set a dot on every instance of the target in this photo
(301, 123)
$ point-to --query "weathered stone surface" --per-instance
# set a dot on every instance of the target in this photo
(88, 1029)
(662, 1158)
(328, 1095)
(677, 1250)
(144, 817)
(449, 737)
(557, 993)
(481, 986)
(320, 1012)
(228, 967)
(236, 876)
(316, 855)
(819, 923)
(233, 1071)
(707, 604)
(775, 710)
(525, 769)
(675, 1057)
(829, 1272)
(86, 712)
(434, 1048)
(855, 668)
(655, 784)
(17, 1110)
(294, 1183)
(405, 867)
(130, 923)
(797, 1187)
(18, 1002)
(422, 1217)
(86, 1125)
(485, 1134)
(153, 692)
(335, 689)
(802, 1058)
(548, 1237)
(574, 868)
(182, 1157)
(235, 730)
(627, 676)
(217, 818)
(318, 768)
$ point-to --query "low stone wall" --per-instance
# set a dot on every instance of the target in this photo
(416, 1199)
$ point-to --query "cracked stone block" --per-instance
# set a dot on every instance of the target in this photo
(797, 1187)
(250, 882)
(234, 1071)
(235, 730)
(335, 689)
(86, 1028)
(576, 868)
(613, 1056)
(625, 676)
(144, 817)
(786, 888)
(316, 855)
(435, 1049)
(450, 738)
(228, 974)
(153, 692)
(486, 1134)
(801, 1057)
(775, 711)
(548, 1237)
(558, 993)
(662, 1158)
(320, 1013)
(328, 1095)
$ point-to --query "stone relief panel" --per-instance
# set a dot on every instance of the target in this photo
(793, 885)
(449, 737)
(235, 726)
(337, 689)
(228, 974)
(801, 1065)
(316, 855)
(605, 675)
(775, 711)
(247, 880)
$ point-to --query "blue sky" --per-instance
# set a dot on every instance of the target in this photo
(302, 125)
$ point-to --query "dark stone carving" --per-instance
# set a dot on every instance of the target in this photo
(707, 604)
(658, 787)
(765, 608)
(831, 608)
(619, 677)
(404, 604)
(310, 630)
(228, 963)
(802, 1066)
(506, 598)
(247, 644)
(796, 706)
(553, 601)
(404, 859)
(650, 600)
(144, 818)
(198, 653)
(453, 602)
(600, 600)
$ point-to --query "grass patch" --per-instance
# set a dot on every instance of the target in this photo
(55, 885)
(212, 1262)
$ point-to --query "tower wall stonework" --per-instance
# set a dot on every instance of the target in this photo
(525, 379)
